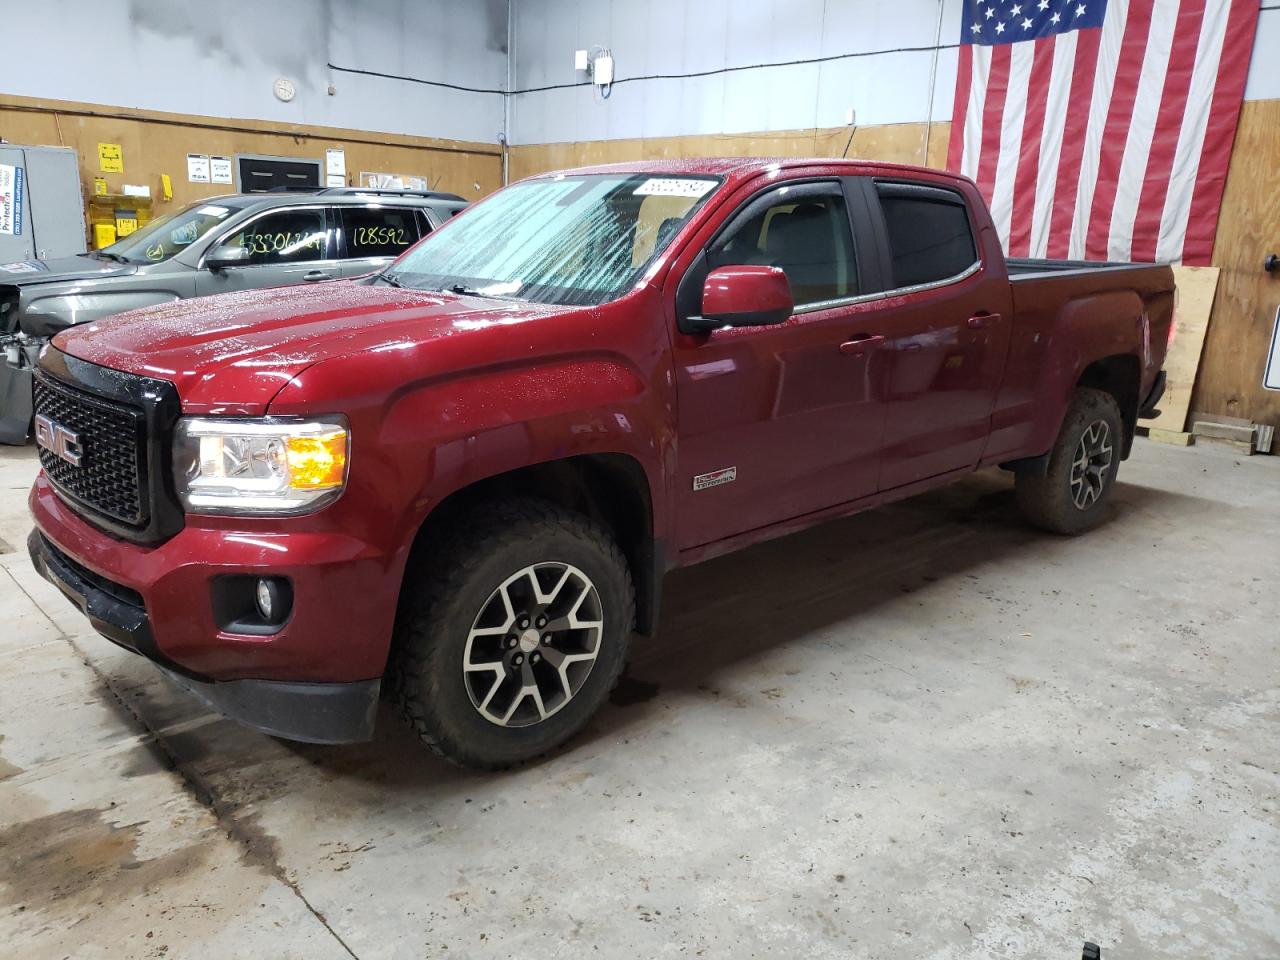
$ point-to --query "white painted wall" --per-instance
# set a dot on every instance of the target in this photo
(1264, 68)
(686, 36)
(189, 56)
(885, 85)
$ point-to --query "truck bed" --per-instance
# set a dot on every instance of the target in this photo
(1022, 268)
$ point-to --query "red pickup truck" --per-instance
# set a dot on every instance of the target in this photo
(460, 481)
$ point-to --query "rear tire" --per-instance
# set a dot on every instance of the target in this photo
(481, 686)
(1072, 495)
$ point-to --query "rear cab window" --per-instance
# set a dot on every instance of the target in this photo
(379, 231)
(928, 231)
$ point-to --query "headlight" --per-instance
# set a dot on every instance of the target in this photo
(264, 466)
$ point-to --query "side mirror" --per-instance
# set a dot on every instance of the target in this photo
(743, 296)
(226, 255)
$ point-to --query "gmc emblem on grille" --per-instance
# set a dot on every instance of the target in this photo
(58, 440)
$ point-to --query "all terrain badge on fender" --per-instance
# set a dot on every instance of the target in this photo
(715, 478)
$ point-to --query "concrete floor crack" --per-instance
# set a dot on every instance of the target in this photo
(192, 782)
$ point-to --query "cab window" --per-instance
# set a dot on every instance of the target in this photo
(286, 236)
(929, 234)
(808, 236)
(379, 231)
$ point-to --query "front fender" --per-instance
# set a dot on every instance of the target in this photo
(415, 444)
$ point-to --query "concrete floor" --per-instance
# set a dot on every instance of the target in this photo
(924, 732)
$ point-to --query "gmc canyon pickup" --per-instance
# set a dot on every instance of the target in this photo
(460, 481)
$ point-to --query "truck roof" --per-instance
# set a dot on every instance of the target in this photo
(742, 167)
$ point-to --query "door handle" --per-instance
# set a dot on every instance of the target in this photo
(314, 275)
(860, 345)
(983, 319)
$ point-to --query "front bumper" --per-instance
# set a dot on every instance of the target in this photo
(311, 712)
(316, 679)
(15, 403)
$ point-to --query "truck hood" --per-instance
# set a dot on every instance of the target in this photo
(233, 353)
(61, 269)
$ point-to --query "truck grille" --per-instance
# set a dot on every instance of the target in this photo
(111, 437)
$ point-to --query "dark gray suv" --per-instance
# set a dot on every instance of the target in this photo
(218, 245)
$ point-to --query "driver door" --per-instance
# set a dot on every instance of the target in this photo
(779, 421)
(278, 248)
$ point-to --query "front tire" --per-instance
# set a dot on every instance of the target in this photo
(513, 634)
(1072, 495)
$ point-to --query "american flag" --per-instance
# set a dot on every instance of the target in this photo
(1101, 129)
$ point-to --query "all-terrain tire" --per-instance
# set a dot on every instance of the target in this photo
(1072, 495)
(445, 594)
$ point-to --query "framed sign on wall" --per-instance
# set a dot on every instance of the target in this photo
(1271, 378)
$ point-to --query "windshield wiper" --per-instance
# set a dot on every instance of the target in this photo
(463, 290)
(103, 255)
(392, 279)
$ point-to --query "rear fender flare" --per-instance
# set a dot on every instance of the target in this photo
(1087, 330)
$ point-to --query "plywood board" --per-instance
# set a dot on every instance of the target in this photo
(1235, 354)
(1196, 286)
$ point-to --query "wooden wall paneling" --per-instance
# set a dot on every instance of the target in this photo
(156, 143)
(1244, 310)
(898, 143)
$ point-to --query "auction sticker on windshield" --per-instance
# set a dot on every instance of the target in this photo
(674, 187)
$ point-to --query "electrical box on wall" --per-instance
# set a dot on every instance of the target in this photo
(602, 72)
(41, 207)
(580, 60)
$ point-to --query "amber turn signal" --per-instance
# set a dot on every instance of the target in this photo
(317, 462)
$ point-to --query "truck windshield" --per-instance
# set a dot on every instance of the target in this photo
(579, 240)
(168, 236)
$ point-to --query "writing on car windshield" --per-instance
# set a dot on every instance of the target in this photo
(165, 237)
(579, 240)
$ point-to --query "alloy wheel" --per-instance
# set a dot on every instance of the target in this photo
(1091, 464)
(533, 644)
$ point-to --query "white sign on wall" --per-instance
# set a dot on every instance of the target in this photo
(220, 170)
(198, 167)
(1271, 379)
(335, 162)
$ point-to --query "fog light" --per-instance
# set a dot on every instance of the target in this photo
(252, 605)
(268, 599)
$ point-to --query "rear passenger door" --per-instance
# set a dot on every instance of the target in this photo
(373, 235)
(945, 325)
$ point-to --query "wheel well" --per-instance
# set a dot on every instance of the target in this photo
(611, 489)
(1120, 376)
